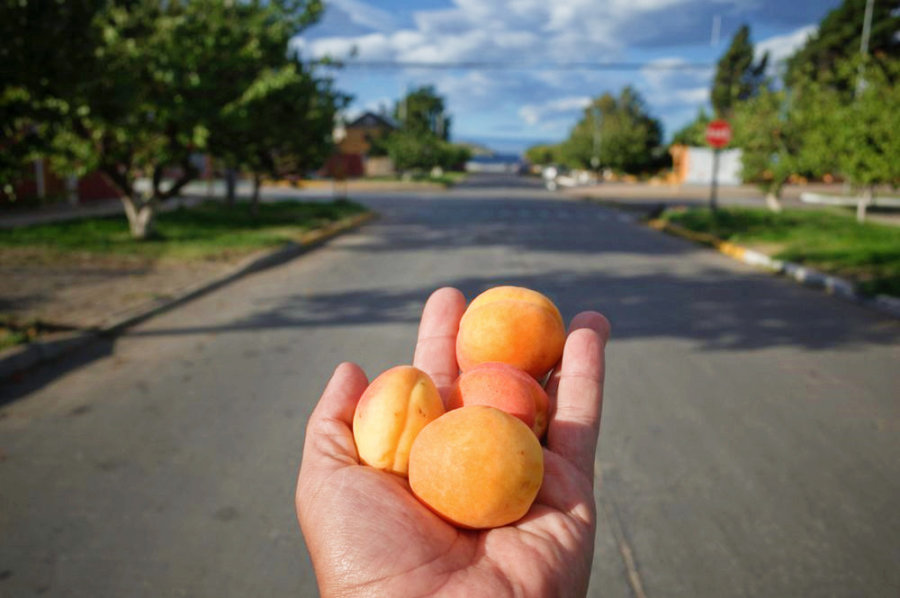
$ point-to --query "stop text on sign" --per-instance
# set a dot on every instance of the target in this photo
(718, 133)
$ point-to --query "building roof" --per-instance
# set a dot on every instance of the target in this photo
(370, 120)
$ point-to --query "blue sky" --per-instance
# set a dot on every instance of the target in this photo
(511, 109)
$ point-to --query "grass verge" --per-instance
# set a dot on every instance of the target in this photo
(210, 230)
(868, 254)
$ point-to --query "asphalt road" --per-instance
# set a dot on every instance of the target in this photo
(750, 443)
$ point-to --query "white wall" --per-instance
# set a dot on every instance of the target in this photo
(700, 161)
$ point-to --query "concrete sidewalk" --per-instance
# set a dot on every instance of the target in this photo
(200, 191)
(647, 197)
(97, 209)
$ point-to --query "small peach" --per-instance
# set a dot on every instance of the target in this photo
(477, 467)
(504, 387)
(391, 412)
(513, 325)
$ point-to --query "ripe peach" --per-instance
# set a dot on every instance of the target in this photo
(477, 467)
(506, 388)
(513, 325)
(390, 414)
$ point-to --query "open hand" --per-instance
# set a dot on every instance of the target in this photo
(368, 535)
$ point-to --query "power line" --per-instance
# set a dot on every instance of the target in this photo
(518, 66)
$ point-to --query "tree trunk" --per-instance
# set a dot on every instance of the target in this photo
(230, 184)
(254, 200)
(141, 216)
(862, 203)
(773, 202)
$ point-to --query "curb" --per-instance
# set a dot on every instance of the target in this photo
(810, 277)
(17, 359)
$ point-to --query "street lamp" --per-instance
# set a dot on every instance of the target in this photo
(864, 46)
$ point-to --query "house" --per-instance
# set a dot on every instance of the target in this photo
(354, 145)
(358, 135)
(39, 183)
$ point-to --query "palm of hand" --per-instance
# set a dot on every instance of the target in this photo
(368, 535)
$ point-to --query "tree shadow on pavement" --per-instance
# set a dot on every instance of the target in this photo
(21, 384)
(739, 312)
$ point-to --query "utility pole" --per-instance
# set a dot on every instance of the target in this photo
(714, 183)
(598, 135)
(864, 46)
(716, 28)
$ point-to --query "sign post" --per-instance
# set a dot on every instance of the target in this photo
(718, 134)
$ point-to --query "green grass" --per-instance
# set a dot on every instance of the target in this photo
(826, 240)
(207, 230)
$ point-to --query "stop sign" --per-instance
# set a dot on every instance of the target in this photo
(718, 133)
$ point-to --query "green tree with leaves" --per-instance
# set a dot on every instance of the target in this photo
(169, 68)
(737, 77)
(421, 141)
(47, 50)
(769, 140)
(866, 131)
(543, 154)
(617, 130)
(839, 37)
(422, 112)
(280, 125)
(693, 133)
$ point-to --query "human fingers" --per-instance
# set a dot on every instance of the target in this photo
(577, 386)
(436, 345)
(329, 432)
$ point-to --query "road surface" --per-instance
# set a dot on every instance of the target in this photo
(750, 443)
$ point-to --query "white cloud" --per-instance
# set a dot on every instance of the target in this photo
(694, 96)
(517, 30)
(534, 114)
(535, 32)
(366, 15)
(782, 46)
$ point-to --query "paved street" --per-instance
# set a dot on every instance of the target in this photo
(750, 443)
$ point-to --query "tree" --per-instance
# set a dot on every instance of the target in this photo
(737, 78)
(838, 37)
(39, 43)
(422, 112)
(866, 138)
(618, 131)
(281, 124)
(168, 70)
(543, 154)
(420, 142)
(769, 140)
(693, 133)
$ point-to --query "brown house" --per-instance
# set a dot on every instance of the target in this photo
(353, 146)
(359, 133)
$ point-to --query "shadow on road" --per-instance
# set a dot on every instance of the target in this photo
(24, 383)
(718, 313)
(625, 271)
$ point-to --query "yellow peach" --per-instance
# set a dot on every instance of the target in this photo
(513, 325)
(395, 407)
(477, 467)
(504, 387)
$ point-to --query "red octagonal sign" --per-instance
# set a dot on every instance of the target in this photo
(718, 133)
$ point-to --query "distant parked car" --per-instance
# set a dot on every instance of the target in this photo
(556, 176)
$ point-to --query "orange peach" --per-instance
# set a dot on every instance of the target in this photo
(504, 387)
(391, 413)
(513, 325)
(477, 467)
